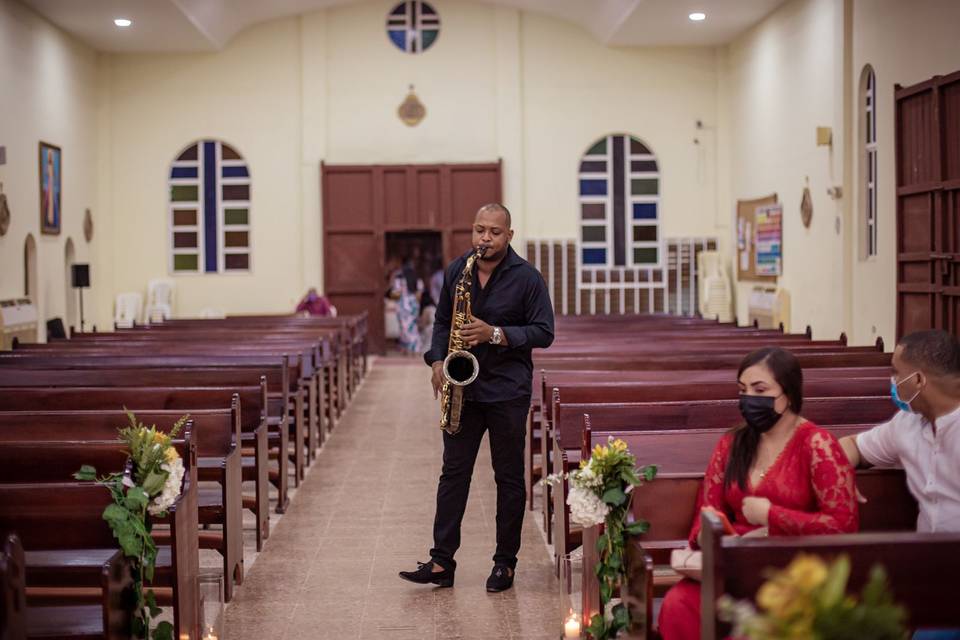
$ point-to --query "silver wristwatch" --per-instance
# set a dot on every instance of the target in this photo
(497, 336)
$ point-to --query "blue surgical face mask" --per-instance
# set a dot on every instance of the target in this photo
(903, 405)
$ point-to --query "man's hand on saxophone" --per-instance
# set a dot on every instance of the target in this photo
(477, 332)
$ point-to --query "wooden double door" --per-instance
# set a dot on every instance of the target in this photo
(363, 203)
(928, 205)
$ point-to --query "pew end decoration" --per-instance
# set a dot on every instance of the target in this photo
(600, 494)
(149, 485)
(809, 599)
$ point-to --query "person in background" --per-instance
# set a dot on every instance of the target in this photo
(407, 290)
(436, 279)
(314, 304)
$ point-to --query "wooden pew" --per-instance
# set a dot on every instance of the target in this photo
(317, 374)
(299, 377)
(278, 397)
(253, 420)
(330, 358)
(541, 419)
(69, 545)
(217, 436)
(642, 386)
(921, 568)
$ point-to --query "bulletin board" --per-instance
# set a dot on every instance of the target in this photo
(747, 238)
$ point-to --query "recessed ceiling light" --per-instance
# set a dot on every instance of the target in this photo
(122, 22)
(698, 16)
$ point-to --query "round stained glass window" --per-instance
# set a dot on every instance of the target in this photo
(413, 26)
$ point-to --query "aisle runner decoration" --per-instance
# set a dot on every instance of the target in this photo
(808, 599)
(600, 493)
(148, 486)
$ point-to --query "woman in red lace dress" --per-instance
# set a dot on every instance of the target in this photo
(778, 471)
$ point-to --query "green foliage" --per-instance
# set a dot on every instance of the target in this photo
(128, 516)
(616, 466)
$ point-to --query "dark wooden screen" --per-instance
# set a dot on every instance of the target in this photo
(928, 211)
(362, 203)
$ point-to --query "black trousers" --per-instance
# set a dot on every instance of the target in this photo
(507, 424)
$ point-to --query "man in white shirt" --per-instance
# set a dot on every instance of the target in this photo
(923, 438)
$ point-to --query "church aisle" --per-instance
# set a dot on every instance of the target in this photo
(365, 512)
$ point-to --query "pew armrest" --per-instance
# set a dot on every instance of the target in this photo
(711, 583)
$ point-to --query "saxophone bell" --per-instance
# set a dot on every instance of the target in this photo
(460, 368)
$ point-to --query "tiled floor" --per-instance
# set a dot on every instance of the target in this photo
(365, 512)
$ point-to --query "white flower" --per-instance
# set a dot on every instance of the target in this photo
(171, 488)
(586, 509)
(586, 478)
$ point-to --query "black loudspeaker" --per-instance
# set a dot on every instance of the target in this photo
(81, 275)
(55, 330)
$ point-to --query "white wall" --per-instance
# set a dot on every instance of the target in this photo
(905, 43)
(577, 90)
(288, 94)
(49, 93)
(247, 96)
(798, 69)
(782, 80)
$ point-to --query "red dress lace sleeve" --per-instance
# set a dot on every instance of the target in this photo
(711, 493)
(831, 479)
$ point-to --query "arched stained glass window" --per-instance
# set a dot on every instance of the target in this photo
(619, 204)
(209, 210)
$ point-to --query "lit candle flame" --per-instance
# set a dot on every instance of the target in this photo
(571, 627)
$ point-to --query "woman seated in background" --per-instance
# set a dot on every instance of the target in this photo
(315, 305)
(778, 471)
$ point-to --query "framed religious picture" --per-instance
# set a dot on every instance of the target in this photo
(50, 192)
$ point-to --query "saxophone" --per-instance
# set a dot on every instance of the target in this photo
(460, 367)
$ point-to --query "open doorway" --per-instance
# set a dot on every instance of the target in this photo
(422, 253)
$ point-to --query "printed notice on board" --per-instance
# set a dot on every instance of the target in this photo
(768, 251)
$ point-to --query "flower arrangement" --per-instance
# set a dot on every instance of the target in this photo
(808, 599)
(149, 485)
(600, 493)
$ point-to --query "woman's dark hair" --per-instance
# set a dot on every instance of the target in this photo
(787, 372)
(410, 275)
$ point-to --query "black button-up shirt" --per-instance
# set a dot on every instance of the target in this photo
(515, 299)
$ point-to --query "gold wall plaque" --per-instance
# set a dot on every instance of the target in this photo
(4, 212)
(411, 110)
(88, 225)
(806, 206)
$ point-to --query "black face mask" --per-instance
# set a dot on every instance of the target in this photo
(758, 411)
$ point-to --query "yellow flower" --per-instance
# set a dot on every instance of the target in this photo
(171, 454)
(807, 572)
(160, 438)
(775, 597)
(619, 445)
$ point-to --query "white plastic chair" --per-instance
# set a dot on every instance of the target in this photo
(159, 300)
(128, 309)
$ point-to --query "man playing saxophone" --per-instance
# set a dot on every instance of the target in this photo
(511, 315)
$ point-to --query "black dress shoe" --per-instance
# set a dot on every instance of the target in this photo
(426, 575)
(501, 578)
